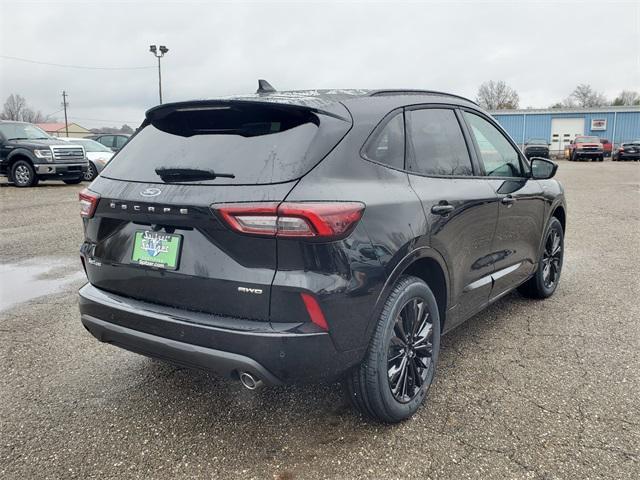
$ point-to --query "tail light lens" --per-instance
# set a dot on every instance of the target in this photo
(314, 310)
(322, 220)
(88, 203)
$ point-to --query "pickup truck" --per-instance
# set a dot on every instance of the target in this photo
(28, 155)
(586, 148)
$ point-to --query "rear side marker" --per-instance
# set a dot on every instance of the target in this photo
(314, 310)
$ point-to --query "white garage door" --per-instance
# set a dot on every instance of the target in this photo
(563, 130)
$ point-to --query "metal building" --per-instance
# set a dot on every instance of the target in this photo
(560, 126)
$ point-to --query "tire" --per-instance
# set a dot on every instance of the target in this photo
(368, 386)
(601, 158)
(23, 174)
(572, 157)
(91, 173)
(545, 281)
(73, 181)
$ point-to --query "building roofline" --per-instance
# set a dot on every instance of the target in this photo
(544, 111)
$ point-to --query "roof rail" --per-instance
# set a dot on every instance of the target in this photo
(381, 93)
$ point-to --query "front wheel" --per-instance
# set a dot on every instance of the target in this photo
(23, 174)
(545, 281)
(393, 379)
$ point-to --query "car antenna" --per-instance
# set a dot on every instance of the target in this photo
(265, 87)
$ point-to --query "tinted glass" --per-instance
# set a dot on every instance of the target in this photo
(587, 140)
(120, 141)
(500, 158)
(437, 144)
(106, 140)
(387, 146)
(255, 143)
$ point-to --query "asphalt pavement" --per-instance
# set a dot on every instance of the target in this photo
(526, 389)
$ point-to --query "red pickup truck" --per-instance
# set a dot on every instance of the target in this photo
(585, 148)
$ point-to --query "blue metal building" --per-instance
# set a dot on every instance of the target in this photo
(559, 126)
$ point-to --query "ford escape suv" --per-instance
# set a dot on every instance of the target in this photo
(315, 235)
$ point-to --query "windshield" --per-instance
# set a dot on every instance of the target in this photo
(91, 145)
(22, 131)
(587, 140)
(244, 144)
(537, 141)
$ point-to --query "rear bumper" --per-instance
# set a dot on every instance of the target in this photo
(209, 342)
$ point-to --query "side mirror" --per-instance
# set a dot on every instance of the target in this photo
(542, 168)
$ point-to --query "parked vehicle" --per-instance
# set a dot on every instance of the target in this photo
(607, 147)
(285, 237)
(627, 151)
(586, 148)
(97, 154)
(28, 155)
(115, 141)
(536, 147)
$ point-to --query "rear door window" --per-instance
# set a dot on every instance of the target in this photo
(120, 141)
(436, 143)
(256, 143)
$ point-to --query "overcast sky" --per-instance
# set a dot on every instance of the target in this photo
(542, 49)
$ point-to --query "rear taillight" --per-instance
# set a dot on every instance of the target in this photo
(88, 203)
(621, 149)
(321, 220)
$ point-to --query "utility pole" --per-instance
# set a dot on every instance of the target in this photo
(159, 52)
(64, 105)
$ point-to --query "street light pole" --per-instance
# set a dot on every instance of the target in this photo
(159, 52)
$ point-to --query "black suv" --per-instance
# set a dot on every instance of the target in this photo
(299, 236)
(536, 147)
(28, 154)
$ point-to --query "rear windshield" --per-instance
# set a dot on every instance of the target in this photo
(256, 143)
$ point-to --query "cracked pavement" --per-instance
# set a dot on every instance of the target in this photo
(525, 390)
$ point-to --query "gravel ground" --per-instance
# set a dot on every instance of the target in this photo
(525, 389)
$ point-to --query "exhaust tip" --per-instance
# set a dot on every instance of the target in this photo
(249, 381)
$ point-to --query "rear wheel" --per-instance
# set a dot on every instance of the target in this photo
(544, 283)
(396, 373)
(91, 173)
(23, 174)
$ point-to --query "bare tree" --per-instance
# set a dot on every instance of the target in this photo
(498, 95)
(585, 96)
(13, 107)
(627, 97)
(16, 108)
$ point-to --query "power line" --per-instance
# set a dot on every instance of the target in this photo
(105, 120)
(82, 67)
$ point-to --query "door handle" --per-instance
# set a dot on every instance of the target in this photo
(442, 209)
(508, 200)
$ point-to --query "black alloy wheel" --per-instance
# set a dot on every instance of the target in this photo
(410, 350)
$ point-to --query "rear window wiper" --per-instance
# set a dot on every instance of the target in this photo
(186, 174)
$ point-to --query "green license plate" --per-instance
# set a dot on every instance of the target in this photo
(156, 249)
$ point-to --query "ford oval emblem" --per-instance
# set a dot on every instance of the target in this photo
(151, 192)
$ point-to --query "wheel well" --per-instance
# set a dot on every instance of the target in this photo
(430, 271)
(15, 158)
(559, 213)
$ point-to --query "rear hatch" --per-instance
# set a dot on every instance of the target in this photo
(154, 235)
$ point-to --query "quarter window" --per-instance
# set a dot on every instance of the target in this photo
(437, 146)
(499, 157)
(387, 145)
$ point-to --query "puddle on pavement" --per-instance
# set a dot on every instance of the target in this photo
(24, 281)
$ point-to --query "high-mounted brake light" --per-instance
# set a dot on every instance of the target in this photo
(322, 220)
(88, 203)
